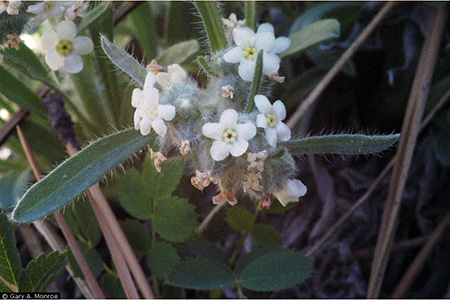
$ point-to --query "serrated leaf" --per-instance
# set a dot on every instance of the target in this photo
(312, 34)
(10, 265)
(138, 236)
(17, 92)
(178, 53)
(93, 15)
(163, 184)
(212, 21)
(93, 258)
(78, 173)
(42, 271)
(240, 219)
(87, 220)
(280, 269)
(112, 286)
(345, 144)
(201, 247)
(247, 258)
(266, 235)
(124, 61)
(162, 258)
(256, 83)
(174, 218)
(201, 274)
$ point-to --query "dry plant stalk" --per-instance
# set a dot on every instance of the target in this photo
(314, 95)
(67, 232)
(410, 132)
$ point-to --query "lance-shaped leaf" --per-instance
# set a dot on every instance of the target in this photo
(178, 53)
(10, 265)
(212, 21)
(124, 61)
(93, 15)
(351, 144)
(317, 32)
(42, 271)
(256, 83)
(78, 173)
(250, 14)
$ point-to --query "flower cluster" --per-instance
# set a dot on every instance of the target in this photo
(224, 143)
(11, 7)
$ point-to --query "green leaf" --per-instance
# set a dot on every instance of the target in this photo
(174, 218)
(78, 173)
(4, 288)
(162, 258)
(124, 61)
(136, 191)
(256, 83)
(250, 14)
(280, 269)
(201, 274)
(173, 292)
(202, 61)
(87, 221)
(266, 235)
(93, 258)
(26, 61)
(350, 144)
(17, 92)
(12, 186)
(212, 21)
(201, 247)
(310, 35)
(144, 26)
(247, 258)
(240, 219)
(277, 208)
(138, 236)
(93, 15)
(10, 165)
(179, 53)
(42, 271)
(443, 146)
(10, 265)
(112, 286)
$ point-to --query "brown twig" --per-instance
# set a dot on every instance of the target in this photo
(67, 232)
(10, 126)
(416, 266)
(314, 95)
(121, 14)
(410, 132)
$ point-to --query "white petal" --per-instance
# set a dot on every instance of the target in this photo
(247, 69)
(261, 121)
(36, 8)
(263, 104)
(66, 30)
(163, 78)
(54, 60)
(14, 3)
(239, 148)
(150, 80)
(137, 119)
(271, 137)
(228, 119)
(177, 73)
(279, 109)
(49, 40)
(145, 125)
(246, 131)
(266, 27)
(233, 56)
(82, 45)
(151, 97)
(243, 37)
(283, 132)
(73, 63)
(136, 97)
(160, 127)
(3, 7)
(56, 9)
(166, 112)
(297, 188)
(213, 130)
(281, 44)
(219, 150)
(12, 11)
(264, 40)
(271, 63)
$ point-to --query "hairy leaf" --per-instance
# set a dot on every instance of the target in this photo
(250, 14)
(78, 173)
(162, 258)
(351, 144)
(256, 83)
(178, 53)
(10, 265)
(212, 21)
(239, 218)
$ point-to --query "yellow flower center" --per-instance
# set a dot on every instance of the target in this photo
(249, 53)
(229, 136)
(271, 120)
(153, 113)
(64, 47)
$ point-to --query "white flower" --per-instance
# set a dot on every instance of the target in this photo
(232, 22)
(175, 74)
(229, 136)
(64, 47)
(149, 113)
(11, 7)
(291, 192)
(248, 45)
(46, 9)
(78, 9)
(270, 119)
